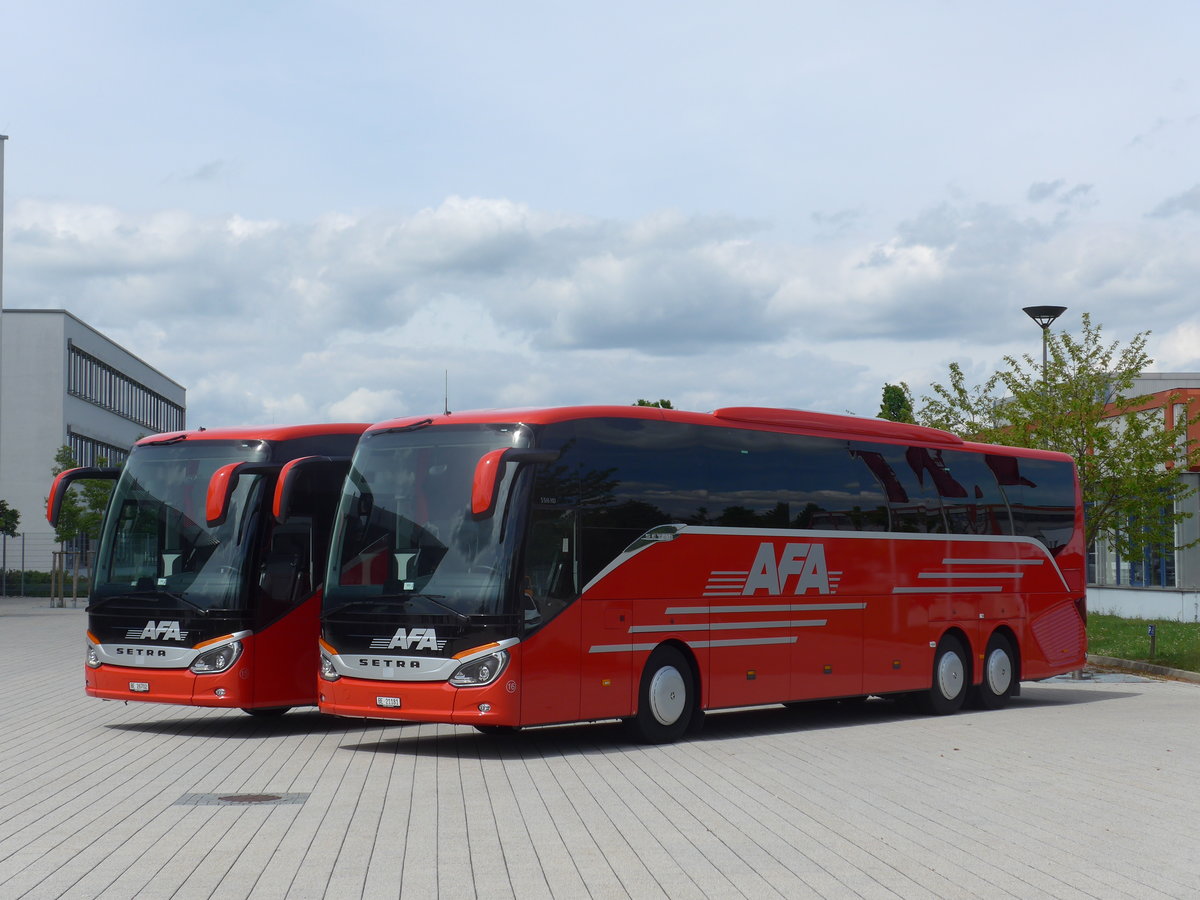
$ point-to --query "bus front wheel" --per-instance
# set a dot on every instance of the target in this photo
(951, 676)
(665, 698)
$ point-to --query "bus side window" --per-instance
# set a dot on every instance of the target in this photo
(285, 574)
(551, 571)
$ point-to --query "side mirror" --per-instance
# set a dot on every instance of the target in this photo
(331, 470)
(221, 486)
(490, 469)
(58, 490)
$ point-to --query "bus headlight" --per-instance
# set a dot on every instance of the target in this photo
(328, 672)
(92, 661)
(218, 659)
(479, 672)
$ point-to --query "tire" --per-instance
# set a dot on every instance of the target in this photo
(666, 698)
(266, 712)
(951, 679)
(999, 675)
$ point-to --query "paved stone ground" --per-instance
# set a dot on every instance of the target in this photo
(1080, 789)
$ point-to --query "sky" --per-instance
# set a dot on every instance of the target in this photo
(312, 212)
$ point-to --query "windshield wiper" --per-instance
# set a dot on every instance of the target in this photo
(157, 594)
(379, 599)
(414, 426)
(436, 599)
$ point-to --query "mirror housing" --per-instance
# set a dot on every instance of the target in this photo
(490, 469)
(295, 469)
(58, 490)
(222, 484)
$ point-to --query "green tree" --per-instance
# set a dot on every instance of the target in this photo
(82, 510)
(1084, 406)
(897, 405)
(661, 404)
(9, 519)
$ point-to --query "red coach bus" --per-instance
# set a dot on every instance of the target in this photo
(536, 566)
(206, 587)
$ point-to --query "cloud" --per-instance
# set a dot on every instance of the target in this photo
(1187, 202)
(1044, 190)
(361, 316)
(366, 405)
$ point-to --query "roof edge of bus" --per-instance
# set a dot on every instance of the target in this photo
(828, 424)
(256, 433)
(833, 422)
(805, 420)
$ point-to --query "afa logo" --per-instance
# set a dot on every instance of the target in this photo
(166, 630)
(795, 570)
(410, 639)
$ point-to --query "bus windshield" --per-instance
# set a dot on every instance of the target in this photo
(405, 534)
(155, 541)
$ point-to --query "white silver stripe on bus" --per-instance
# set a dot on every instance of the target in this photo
(971, 575)
(951, 589)
(992, 562)
(774, 607)
(728, 642)
(620, 648)
(749, 642)
(725, 626)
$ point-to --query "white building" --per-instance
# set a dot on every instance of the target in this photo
(63, 382)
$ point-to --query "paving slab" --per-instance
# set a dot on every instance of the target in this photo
(1081, 788)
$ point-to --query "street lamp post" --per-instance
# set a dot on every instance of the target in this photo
(1044, 316)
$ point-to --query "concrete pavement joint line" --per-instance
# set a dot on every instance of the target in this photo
(226, 798)
(1145, 667)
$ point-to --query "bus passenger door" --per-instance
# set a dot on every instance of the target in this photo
(287, 610)
(550, 649)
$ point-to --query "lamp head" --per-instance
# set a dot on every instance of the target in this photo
(1044, 315)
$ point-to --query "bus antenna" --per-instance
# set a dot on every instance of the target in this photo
(446, 394)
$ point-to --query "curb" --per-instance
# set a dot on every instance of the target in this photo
(1144, 668)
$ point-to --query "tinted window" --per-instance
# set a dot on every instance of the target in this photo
(971, 498)
(1041, 493)
(625, 476)
(618, 478)
(912, 496)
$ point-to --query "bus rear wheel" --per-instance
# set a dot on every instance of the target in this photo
(266, 712)
(666, 698)
(951, 676)
(999, 675)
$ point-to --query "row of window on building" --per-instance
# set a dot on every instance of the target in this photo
(88, 451)
(97, 382)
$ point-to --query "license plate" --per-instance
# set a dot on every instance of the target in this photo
(139, 687)
(388, 702)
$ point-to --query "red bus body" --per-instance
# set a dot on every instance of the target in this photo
(173, 587)
(757, 615)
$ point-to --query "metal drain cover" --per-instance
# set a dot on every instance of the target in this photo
(240, 799)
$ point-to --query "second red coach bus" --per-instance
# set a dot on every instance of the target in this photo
(504, 569)
(206, 587)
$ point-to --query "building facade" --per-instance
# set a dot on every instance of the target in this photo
(62, 382)
(1161, 582)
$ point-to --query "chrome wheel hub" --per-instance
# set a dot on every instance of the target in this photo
(999, 672)
(950, 675)
(667, 695)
